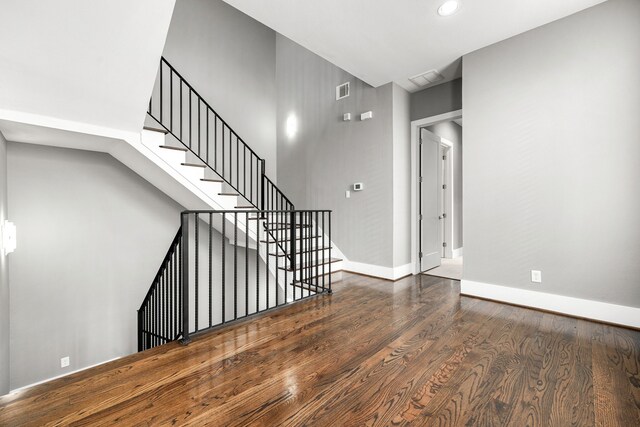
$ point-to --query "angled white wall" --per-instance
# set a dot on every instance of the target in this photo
(88, 62)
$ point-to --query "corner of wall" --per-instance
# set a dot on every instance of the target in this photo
(4, 279)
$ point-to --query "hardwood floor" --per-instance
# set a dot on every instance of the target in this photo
(374, 353)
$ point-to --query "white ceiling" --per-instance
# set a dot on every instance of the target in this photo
(85, 61)
(380, 41)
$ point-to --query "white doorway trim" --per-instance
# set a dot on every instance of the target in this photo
(416, 125)
(447, 197)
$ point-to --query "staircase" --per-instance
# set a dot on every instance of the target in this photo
(255, 253)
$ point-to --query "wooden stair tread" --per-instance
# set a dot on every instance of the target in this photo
(212, 179)
(312, 264)
(195, 165)
(283, 226)
(170, 147)
(152, 129)
(302, 252)
(228, 194)
(245, 207)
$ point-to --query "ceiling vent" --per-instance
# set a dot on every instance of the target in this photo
(426, 78)
(342, 91)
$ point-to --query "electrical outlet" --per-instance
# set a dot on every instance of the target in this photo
(347, 194)
(536, 276)
(64, 362)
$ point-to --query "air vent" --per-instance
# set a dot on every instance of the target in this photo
(342, 91)
(426, 78)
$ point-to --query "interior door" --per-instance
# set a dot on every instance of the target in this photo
(430, 193)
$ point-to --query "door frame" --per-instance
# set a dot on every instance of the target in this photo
(447, 205)
(416, 126)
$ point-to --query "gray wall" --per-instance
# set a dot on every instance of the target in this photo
(230, 59)
(401, 177)
(328, 154)
(552, 158)
(4, 276)
(436, 100)
(453, 132)
(92, 235)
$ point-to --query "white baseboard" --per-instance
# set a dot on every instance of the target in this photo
(389, 273)
(457, 253)
(24, 387)
(588, 309)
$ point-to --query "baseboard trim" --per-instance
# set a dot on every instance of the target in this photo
(457, 253)
(24, 387)
(576, 307)
(387, 273)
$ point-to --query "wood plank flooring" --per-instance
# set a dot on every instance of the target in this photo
(375, 353)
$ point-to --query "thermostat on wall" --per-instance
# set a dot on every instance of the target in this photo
(358, 186)
(366, 116)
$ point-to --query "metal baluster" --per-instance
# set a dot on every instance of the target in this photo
(258, 263)
(215, 141)
(210, 268)
(161, 102)
(235, 265)
(224, 237)
(197, 271)
(330, 290)
(184, 266)
(246, 264)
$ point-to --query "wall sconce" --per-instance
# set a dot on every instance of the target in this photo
(291, 127)
(9, 241)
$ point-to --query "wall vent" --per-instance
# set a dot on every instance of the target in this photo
(426, 78)
(342, 91)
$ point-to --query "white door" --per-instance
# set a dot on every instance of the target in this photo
(430, 194)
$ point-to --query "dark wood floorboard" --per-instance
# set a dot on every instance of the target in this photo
(375, 353)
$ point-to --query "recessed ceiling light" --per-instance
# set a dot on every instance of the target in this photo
(448, 8)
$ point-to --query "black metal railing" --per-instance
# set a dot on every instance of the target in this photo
(183, 113)
(279, 255)
(161, 308)
(235, 264)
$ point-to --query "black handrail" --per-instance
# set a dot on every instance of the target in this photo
(297, 241)
(183, 299)
(183, 113)
(162, 302)
(217, 151)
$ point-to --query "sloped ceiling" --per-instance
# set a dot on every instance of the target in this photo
(87, 61)
(380, 41)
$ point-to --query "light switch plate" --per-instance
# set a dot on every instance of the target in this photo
(64, 362)
(347, 194)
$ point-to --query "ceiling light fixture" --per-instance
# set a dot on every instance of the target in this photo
(448, 8)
